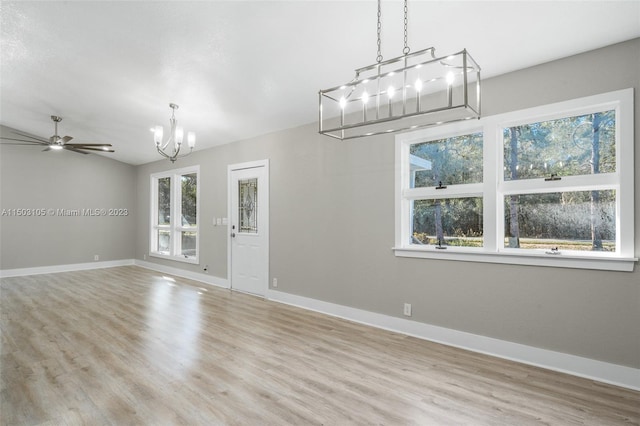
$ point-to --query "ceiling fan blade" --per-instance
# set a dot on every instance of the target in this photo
(75, 150)
(88, 144)
(92, 149)
(24, 135)
(66, 139)
(103, 147)
(25, 142)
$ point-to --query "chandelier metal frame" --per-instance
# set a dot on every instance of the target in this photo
(176, 136)
(411, 91)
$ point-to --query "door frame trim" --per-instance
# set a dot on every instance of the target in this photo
(243, 166)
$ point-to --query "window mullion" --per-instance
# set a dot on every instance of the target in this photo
(492, 164)
(153, 239)
(175, 215)
(625, 164)
(403, 206)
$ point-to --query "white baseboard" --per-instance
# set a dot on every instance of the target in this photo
(196, 276)
(578, 366)
(38, 270)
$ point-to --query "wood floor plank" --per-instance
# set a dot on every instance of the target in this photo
(127, 345)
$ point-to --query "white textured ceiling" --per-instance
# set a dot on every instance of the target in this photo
(244, 68)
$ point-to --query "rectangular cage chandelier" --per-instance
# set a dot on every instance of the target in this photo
(408, 92)
(411, 91)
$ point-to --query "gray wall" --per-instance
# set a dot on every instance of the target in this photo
(30, 178)
(332, 229)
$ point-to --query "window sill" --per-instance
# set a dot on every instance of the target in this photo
(193, 260)
(625, 264)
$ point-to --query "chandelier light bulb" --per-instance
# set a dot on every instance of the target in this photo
(390, 92)
(179, 135)
(365, 98)
(418, 85)
(450, 78)
(158, 133)
(191, 139)
(343, 102)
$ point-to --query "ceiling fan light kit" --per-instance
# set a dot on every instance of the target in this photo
(175, 139)
(411, 91)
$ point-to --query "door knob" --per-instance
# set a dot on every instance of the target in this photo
(233, 234)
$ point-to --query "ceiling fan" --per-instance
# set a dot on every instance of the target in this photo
(56, 142)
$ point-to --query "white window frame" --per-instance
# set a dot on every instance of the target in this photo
(494, 188)
(175, 227)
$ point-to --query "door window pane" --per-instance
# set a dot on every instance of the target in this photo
(454, 160)
(584, 220)
(571, 146)
(248, 205)
(164, 201)
(448, 222)
(189, 199)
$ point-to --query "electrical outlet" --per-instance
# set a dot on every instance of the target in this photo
(407, 309)
(275, 282)
(96, 257)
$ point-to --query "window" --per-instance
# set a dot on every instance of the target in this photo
(174, 214)
(445, 191)
(551, 185)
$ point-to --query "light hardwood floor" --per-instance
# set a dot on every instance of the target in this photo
(128, 346)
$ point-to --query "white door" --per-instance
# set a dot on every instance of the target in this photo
(249, 227)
